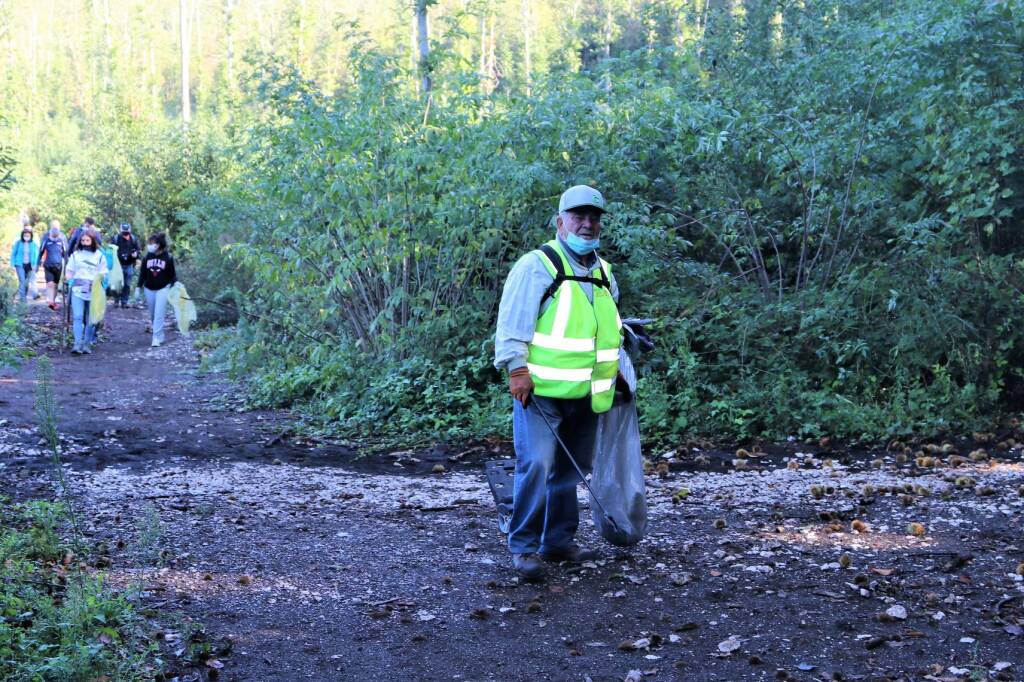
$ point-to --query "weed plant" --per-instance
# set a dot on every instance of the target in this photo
(59, 620)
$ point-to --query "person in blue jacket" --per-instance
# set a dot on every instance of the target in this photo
(24, 259)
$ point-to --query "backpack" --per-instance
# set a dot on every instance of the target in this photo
(48, 244)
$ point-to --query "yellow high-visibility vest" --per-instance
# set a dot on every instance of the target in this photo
(575, 347)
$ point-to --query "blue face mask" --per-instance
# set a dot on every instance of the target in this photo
(581, 246)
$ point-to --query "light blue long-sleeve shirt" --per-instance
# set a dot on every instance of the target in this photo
(520, 306)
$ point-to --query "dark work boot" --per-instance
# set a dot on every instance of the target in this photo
(528, 565)
(572, 553)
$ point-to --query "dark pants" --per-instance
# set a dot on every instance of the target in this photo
(126, 288)
(545, 512)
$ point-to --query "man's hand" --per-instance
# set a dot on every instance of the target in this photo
(638, 340)
(520, 385)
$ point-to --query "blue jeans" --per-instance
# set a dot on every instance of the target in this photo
(126, 288)
(80, 315)
(545, 513)
(25, 276)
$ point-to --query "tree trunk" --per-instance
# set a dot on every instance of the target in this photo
(195, 37)
(33, 57)
(423, 44)
(229, 35)
(608, 24)
(413, 60)
(154, 90)
(526, 46)
(492, 62)
(483, 53)
(108, 49)
(90, 51)
(186, 100)
(608, 29)
(130, 95)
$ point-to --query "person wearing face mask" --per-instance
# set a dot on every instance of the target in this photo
(87, 224)
(85, 265)
(54, 251)
(558, 337)
(156, 277)
(24, 259)
(127, 254)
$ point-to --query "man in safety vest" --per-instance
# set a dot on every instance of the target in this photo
(558, 337)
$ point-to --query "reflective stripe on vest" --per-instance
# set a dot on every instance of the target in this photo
(574, 351)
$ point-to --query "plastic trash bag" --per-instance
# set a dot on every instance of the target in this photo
(97, 301)
(627, 370)
(111, 258)
(115, 278)
(618, 472)
(183, 307)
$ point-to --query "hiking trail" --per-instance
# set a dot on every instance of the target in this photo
(304, 561)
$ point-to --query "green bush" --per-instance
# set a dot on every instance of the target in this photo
(819, 202)
(825, 229)
(57, 621)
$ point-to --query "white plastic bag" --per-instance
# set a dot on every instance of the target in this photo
(115, 278)
(618, 474)
(183, 307)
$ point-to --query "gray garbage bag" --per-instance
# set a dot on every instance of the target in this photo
(618, 474)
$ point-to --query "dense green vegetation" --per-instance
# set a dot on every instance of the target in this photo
(820, 202)
(59, 620)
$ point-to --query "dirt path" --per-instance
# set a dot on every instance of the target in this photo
(315, 565)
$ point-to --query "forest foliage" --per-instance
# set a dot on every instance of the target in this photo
(819, 202)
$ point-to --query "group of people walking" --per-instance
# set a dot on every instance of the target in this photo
(84, 265)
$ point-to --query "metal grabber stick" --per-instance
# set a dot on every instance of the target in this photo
(64, 291)
(593, 496)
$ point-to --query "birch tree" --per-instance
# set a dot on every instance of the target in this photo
(185, 43)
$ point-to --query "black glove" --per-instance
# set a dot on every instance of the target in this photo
(637, 339)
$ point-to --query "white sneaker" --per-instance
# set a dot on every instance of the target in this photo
(155, 344)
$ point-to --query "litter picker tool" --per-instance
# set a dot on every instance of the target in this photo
(67, 316)
(572, 459)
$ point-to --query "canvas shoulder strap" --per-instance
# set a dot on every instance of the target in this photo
(562, 276)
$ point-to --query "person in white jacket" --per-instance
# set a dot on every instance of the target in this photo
(84, 266)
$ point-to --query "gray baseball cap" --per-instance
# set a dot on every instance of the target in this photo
(581, 195)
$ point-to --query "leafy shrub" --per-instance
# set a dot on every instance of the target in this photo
(824, 229)
(818, 201)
